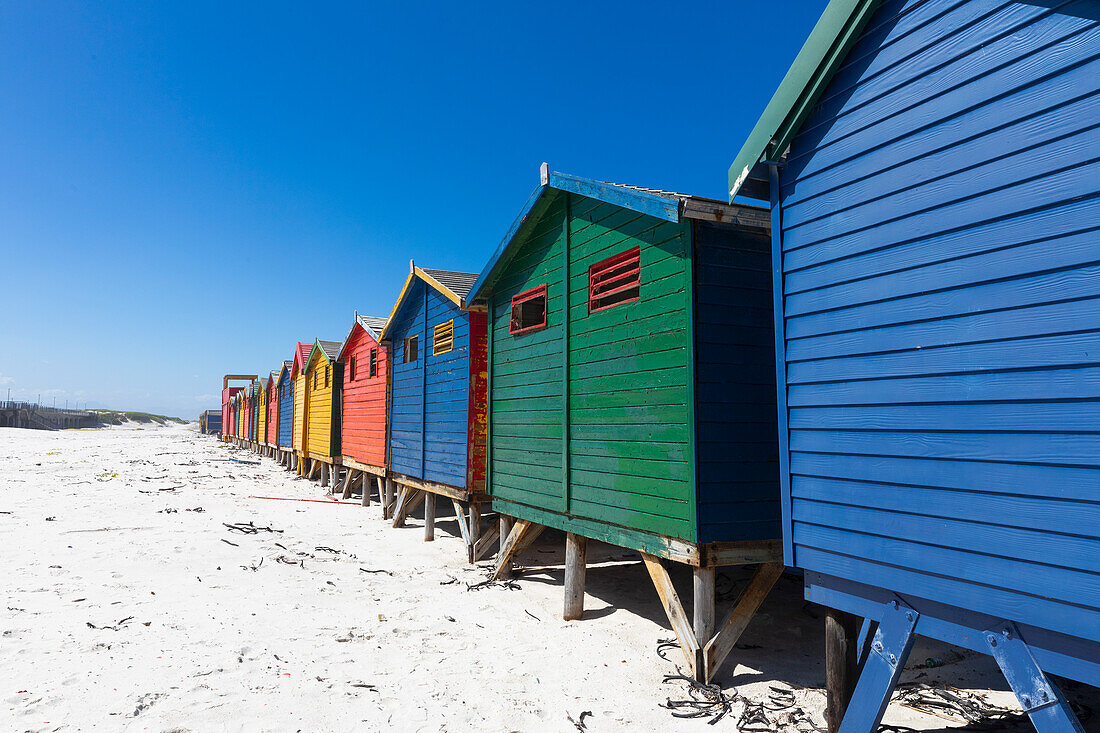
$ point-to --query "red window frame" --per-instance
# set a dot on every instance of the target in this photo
(520, 299)
(616, 274)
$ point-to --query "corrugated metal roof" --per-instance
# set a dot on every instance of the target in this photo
(331, 348)
(458, 283)
(374, 323)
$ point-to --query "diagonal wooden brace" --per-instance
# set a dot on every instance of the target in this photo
(1038, 695)
(719, 647)
(518, 540)
(681, 624)
(486, 542)
(410, 498)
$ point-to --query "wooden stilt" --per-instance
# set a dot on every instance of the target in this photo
(387, 505)
(364, 482)
(505, 524)
(841, 664)
(475, 528)
(349, 476)
(325, 470)
(519, 539)
(429, 517)
(398, 515)
(576, 547)
(703, 605)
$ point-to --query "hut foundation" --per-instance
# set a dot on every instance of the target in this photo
(704, 643)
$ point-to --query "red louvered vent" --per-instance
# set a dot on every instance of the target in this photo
(615, 281)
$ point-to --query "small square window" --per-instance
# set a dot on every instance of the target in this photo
(412, 346)
(443, 340)
(528, 311)
(374, 362)
(615, 281)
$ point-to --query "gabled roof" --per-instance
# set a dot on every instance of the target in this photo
(301, 355)
(455, 286)
(288, 366)
(667, 205)
(373, 325)
(329, 349)
(834, 35)
(263, 383)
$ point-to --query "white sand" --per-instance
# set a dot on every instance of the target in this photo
(94, 535)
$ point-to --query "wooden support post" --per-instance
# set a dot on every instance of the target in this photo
(349, 477)
(475, 528)
(387, 504)
(460, 517)
(703, 605)
(364, 482)
(483, 545)
(719, 647)
(325, 470)
(429, 517)
(519, 539)
(841, 664)
(674, 610)
(505, 530)
(576, 548)
(410, 499)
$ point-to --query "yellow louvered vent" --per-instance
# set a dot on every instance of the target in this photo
(444, 338)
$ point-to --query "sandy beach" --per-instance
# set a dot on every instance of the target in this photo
(130, 606)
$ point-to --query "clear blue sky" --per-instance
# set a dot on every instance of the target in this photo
(187, 189)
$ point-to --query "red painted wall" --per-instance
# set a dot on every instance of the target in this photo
(363, 429)
(479, 384)
(272, 413)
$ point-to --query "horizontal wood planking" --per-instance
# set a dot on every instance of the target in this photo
(940, 275)
(363, 420)
(322, 409)
(286, 409)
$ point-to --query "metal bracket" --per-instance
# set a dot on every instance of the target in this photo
(1038, 696)
(889, 649)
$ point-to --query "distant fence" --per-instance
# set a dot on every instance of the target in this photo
(15, 414)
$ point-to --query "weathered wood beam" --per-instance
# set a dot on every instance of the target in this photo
(429, 517)
(519, 539)
(411, 500)
(841, 664)
(703, 605)
(576, 550)
(505, 525)
(485, 544)
(475, 529)
(349, 476)
(674, 610)
(364, 484)
(718, 648)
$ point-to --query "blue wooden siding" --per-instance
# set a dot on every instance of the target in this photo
(737, 450)
(433, 391)
(940, 216)
(286, 409)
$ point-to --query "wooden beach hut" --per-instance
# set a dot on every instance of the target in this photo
(323, 379)
(272, 430)
(210, 422)
(242, 416)
(298, 365)
(285, 389)
(437, 401)
(363, 411)
(932, 172)
(632, 390)
(261, 413)
(253, 413)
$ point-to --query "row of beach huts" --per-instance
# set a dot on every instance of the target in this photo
(882, 374)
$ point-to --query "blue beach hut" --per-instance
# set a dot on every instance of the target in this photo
(437, 401)
(932, 169)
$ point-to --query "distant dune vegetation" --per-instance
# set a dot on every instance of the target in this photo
(117, 417)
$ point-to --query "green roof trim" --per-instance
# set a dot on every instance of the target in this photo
(836, 32)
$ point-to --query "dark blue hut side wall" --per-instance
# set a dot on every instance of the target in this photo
(286, 410)
(942, 310)
(737, 458)
(441, 396)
